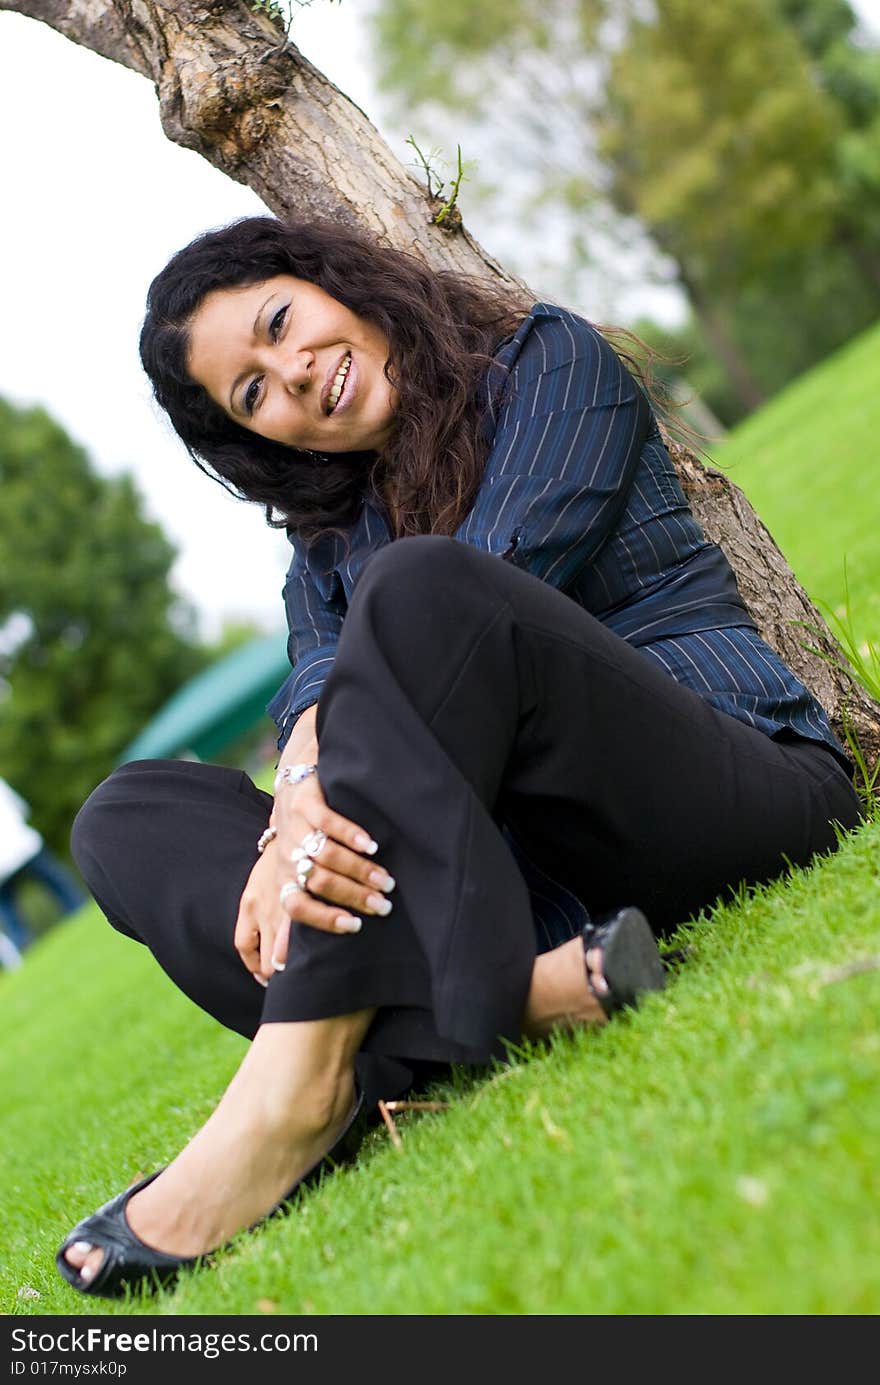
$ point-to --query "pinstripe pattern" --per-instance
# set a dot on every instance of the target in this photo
(560, 410)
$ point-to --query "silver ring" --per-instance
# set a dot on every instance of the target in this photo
(288, 888)
(304, 869)
(313, 842)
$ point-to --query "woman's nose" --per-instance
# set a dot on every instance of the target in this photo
(297, 370)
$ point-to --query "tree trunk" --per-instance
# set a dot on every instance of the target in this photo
(781, 609)
(231, 88)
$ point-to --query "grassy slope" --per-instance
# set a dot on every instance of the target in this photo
(809, 461)
(616, 1175)
(714, 1153)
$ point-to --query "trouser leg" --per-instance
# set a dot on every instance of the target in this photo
(166, 847)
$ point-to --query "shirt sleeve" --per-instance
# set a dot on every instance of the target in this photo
(567, 421)
(314, 622)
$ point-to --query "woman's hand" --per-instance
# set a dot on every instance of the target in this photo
(343, 875)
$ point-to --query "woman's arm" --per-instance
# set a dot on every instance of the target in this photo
(346, 882)
(558, 471)
(301, 746)
(349, 882)
(314, 623)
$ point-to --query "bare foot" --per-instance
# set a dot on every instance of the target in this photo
(559, 995)
(277, 1119)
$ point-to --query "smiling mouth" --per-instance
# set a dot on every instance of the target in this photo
(338, 384)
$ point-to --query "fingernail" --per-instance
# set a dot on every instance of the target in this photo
(262, 980)
(345, 923)
(81, 1247)
(365, 843)
(277, 966)
(384, 882)
(379, 904)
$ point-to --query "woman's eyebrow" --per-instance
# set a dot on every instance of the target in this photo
(244, 373)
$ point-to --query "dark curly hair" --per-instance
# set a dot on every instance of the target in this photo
(442, 329)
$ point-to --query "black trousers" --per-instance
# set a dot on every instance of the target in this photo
(464, 693)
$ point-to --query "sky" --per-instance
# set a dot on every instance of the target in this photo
(96, 200)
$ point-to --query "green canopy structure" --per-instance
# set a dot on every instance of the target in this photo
(217, 706)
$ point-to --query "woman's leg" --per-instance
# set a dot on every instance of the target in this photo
(465, 693)
(195, 829)
(165, 848)
(282, 1112)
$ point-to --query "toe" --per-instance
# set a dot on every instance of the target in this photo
(84, 1258)
(594, 963)
(92, 1264)
(77, 1253)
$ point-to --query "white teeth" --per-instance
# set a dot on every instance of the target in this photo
(336, 387)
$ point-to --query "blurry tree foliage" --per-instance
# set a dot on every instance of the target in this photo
(92, 638)
(743, 137)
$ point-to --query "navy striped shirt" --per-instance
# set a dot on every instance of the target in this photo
(560, 413)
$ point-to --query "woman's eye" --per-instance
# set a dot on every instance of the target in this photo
(251, 396)
(277, 323)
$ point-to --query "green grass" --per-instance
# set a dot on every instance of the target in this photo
(714, 1152)
(809, 461)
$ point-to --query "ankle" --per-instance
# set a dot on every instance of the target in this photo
(327, 1103)
(297, 1087)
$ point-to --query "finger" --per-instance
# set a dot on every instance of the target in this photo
(282, 940)
(334, 856)
(268, 934)
(302, 907)
(340, 889)
(246, 940)
(312, 805)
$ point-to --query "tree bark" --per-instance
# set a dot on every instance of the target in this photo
(782, 611)
(233, 89)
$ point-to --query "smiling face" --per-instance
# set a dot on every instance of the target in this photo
(292, 364)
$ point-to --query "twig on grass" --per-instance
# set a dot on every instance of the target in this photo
(386, 1108)
(392, 1128)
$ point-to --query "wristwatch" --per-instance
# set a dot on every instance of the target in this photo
(292, 774)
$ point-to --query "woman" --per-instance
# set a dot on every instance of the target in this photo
(544, 713)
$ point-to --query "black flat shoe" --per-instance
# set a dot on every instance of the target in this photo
(128, 1261)
(631, 962)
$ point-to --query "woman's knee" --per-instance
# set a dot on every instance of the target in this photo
(413, 557)
(86, 832)
(98, 840)
(97, 816)
(418, 574)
